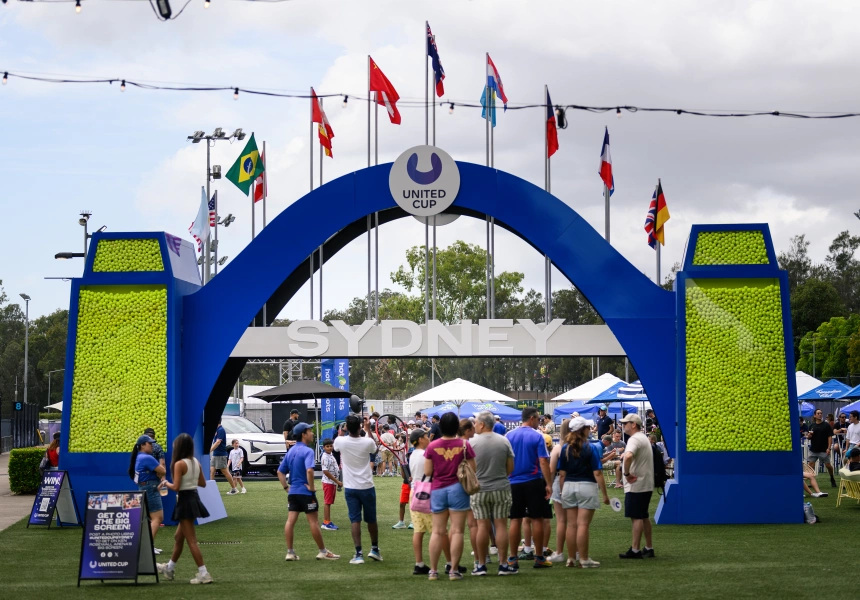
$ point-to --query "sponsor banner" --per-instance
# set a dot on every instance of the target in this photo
(114, 530)
(54, 497)
(424, 181)
(334, 372)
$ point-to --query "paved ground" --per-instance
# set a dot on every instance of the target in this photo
(12, 508)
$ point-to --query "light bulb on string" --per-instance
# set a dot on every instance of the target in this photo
(451, 108)
(618, 112)
(206, 4)
(122, 86)
(78, 6)
(235, 93)
(345, 101)
(5, 75)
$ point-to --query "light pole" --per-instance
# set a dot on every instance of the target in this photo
(49, 383)
(212, 172)
(26, 341)
(83, 222)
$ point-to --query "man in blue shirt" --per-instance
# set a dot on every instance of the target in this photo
(301, 491)
(605, 425)
(531, 486)
(498, 427)
(218, 453)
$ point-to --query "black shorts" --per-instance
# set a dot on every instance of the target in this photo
(302, 503)
(636, 504)
(529, 500)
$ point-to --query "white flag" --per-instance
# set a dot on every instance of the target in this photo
(200, 227)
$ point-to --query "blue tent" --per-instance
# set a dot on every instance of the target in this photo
(505, 413)
(806, 409)
(853, 406)
(589, 410)
(829, 390)
(441, 409)
(628, 392)
(851, 394)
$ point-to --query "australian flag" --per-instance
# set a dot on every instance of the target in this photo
(438, 71)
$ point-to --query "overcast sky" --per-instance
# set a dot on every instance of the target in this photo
(125, 156)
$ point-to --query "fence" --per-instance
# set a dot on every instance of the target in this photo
(25, 427)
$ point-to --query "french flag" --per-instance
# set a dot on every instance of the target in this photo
(606, 164)
(494, 81)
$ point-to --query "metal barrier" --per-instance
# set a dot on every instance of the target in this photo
(5, 444)
(25, 427)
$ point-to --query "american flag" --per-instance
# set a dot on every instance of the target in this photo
(212, 217)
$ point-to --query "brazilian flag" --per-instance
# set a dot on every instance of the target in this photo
(247, 167)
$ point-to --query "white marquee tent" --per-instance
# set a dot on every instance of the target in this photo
(805, 382)
(589, 389)
(459, 390)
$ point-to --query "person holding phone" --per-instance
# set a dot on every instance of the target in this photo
(147, 473)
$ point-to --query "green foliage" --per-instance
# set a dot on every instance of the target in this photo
(824, 352)
(24, 470)
(813, 302)
(50, 416)
(796, 262)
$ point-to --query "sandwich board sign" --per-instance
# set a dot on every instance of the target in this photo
(54, 497)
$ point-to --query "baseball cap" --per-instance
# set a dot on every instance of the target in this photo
(632, 418)
(300, 429)
(295, 411)
(853, 452)
(411, 422)
(602, 407)
(576, 424)
(144, 439)
(416, 435)
(150, 432)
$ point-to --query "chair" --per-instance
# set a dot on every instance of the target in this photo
(848, 489)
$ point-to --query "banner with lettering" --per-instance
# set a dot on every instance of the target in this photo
(333, 411)
(54, 497)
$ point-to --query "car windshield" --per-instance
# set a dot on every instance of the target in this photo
(239, 425)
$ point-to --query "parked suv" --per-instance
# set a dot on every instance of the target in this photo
(263, 451)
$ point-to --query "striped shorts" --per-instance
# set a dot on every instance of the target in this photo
(491, 505)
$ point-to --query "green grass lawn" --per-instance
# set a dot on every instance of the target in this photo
(764, 561)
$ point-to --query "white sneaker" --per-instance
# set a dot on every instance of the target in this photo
(819, 494)
(589, 564)
(156, 551)
(399, 525)
(555, 557)
(358, 559)
(291, 556)
(494, 550)
(167, 573)
(207, 578)
(244, 490)
(233, 492)
(327, 555)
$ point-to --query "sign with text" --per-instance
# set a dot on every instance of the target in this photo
(117, 541)
(334, 372)
(386, 339)
(54, 497)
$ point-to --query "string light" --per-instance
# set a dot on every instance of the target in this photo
(235, 93)
(618, 112)
(122, 87)
(78, 6)
(5, 75)
(206, 4)
(345, 100)
(451, 108)
(561, 120)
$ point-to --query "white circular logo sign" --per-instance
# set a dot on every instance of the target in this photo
(424, 181)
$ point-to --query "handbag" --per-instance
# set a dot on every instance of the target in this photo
(45, 464)
(420, 501)
(466, 475)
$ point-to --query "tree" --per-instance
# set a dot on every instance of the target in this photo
(824, 352)
(813, 302)
(796, 261)
(844, 269)
(669, 281)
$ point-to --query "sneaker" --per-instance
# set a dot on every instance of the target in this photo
(460, 569)
(589, 564)
(650, 553)
(555, 557)
(358, 559)
(454, 576)
(425, 570)
(399, 525)
(375, 555)
(526, 555)
(479, 571)
(494, 550)
(572, 563)
(507, 570)
(244, 490)
(207, 578)
(631, 554)
(814, 495)
(291, 556)
(542, 563)
(433, 575)
(156, 551)
(329, 526)
(164, 571)
(233, 492)
(327, 555)
(411, 526)
(514, 564)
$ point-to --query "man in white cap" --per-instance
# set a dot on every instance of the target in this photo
(638, 470)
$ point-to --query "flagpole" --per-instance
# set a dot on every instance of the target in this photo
(216, 232)
(368, 164)
(546, 287)
(321, 184)
(376, 214)
(311, 153)
(265, 193)
(206, 274)
(487, 128)
(426, 85)
(606, 209)
(426, 270)
(321, 283)
(253, 227)
(655, 232)
(492, 229)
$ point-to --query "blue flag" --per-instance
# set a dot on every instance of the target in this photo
(492, 106)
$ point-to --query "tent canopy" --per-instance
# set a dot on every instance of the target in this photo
(459, 390)
(469, 409)
(848, 408)
(805, 382)
(57, 406)
(590, 389)
(627, 392)
(806, 409)
(850, 394)
(303, 388)
(829, 390)
(589, 410)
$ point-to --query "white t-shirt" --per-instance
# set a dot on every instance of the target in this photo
(416, 464)
(236, 458)
(355, 461)
(641, 465)
(853, 435)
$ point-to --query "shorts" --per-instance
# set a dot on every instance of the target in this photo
(405, 491)
(302, 503)
(153, 497)
(237, 473)
(218, 462)
(422, 522)
(556, 492)
(636, 504)
(361, 501)
(329, 491)
(452, 497)
(529, 500)
(387, 456)
(375, 458)
(580, 494)
(822, 456)
(491, 505)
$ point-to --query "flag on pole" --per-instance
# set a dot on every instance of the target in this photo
(386, 94)
(326, 133)
(492, 105)
(605, 171)
(261, 183)
(199, 230)
(494, 81)
(551, 129)
(212, 216)
(438, 71)
(658, 214)
(247, 167)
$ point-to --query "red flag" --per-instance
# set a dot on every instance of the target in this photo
(261, 185)
(551, 130)
(326, 133)
(386, 94)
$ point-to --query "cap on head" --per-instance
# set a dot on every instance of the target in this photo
(416, 435)
(295, 411)
(150, 432)
(603, 408)
(632, 418)
(299, 429)
(144, 439)
(576, 423)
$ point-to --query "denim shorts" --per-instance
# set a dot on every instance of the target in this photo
(153, 497)
(453, 497)
(361, 501)
(580, 494)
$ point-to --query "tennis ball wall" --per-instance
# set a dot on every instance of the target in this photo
(737, 394)
(128, 255)
(730, 248)
(120, 380)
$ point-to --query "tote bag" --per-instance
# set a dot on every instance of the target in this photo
(420, 501)
(467, 476)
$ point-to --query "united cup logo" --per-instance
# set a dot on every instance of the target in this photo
(424, 181)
